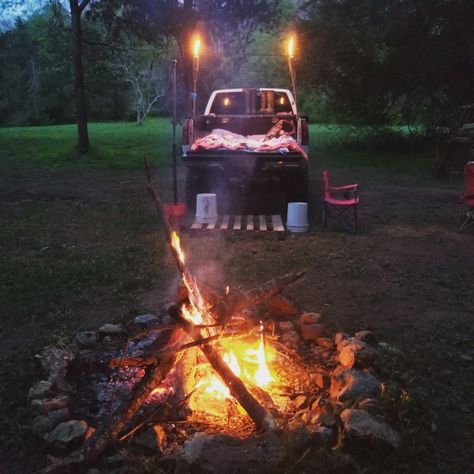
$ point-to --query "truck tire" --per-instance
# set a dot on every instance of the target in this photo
(296, 187)
(196, 182)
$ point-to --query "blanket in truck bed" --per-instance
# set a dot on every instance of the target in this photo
(220, 139)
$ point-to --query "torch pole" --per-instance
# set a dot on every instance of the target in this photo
(195, 75)
(175, 173)
(292, 76)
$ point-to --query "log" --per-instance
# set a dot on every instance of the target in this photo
(152, 378)
(263, 420)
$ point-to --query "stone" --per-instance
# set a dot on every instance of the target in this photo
(309, 318)
(370, 405)
(55, 362)
(86, 339)
(291, 339)
(358, 354)
(45, 423)
(324, 342)
(146, 320)
(326, 419)
(111, 330)
(40, 389)
(359, 424)
(301, 436)
(286, 326)
(46, 405)
(349, 385)
(339, 337)
(366, 336)
(67, 435)
(152, 439)
(311, 332)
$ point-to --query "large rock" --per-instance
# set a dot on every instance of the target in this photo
(46, 405)
(55, 362)
(45, 423)
(86, 339)
(153, 439)
(291, 339)
(349, 385)
(67, 435)
(359, 424)
(311, 332)
(111, 330)
(146, 320)
(309, 318)
(358, 354)
(40, 389)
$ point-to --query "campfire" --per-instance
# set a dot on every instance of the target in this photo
(246, 363)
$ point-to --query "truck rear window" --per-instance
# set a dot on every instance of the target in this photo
(251, 101)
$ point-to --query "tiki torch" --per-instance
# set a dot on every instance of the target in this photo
(196, 48)
(291, 55)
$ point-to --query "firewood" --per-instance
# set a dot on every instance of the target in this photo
(154, 358)
(263, 420)
(152, 378)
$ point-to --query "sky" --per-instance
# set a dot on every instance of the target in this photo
(8, 14)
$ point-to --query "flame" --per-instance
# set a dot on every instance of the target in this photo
(291, 46)
(282, 100)
(196, 46)
(247, 361)
(263, 377)
(226, 101)
(176, 244)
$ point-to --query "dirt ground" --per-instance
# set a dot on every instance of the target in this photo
(407, 274)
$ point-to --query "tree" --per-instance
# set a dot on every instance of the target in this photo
(77, 8)
(380, 62)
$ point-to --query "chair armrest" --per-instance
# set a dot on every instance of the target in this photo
(349, 187)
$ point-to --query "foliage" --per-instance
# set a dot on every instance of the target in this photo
(33, 68)
(380, 62)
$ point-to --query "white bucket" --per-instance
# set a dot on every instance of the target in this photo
(206, 208)
(297, 217)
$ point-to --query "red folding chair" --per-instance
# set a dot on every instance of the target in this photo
(467, 199)
(339, 204)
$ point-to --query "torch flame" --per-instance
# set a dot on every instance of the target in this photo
(291, 46)
(196, 47)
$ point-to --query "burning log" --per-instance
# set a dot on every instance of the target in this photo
(263, 420)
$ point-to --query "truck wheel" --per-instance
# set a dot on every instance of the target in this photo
(296, 187)
(196, 183)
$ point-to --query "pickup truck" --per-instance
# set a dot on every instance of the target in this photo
(247, 137)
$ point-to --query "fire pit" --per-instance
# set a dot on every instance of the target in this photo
(220, 380)
(151, 386)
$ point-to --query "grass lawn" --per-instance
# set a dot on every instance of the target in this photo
(80, 245)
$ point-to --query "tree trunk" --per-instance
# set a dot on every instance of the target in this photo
(79, 92)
